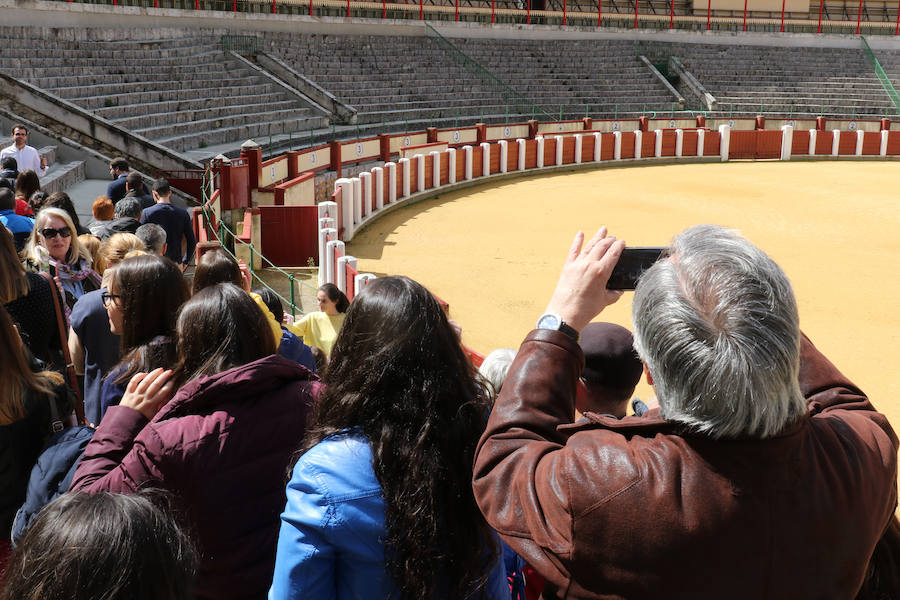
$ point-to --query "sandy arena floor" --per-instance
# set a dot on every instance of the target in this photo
(494, 252)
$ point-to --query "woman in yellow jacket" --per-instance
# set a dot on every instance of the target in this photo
(320, 328)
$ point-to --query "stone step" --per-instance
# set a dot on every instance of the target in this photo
(143, 124)
(61, 177)
(239, 133)
(231, 103)
(167, 130)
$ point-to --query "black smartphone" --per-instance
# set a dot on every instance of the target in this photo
(632, 263)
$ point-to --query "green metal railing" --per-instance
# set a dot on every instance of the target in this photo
(511, 97)
(246, 45)
(226, 236)
(882, 76)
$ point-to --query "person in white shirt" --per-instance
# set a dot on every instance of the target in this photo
(26, 156)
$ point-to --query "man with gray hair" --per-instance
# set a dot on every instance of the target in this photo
(154, 237)
(765, 473)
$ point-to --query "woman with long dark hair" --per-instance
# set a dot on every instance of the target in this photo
(221, 446)
(142, 302)
(320, 328)
(25, 420)
(380, 503)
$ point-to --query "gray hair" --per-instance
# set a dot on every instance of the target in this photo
(495, 367)
(717, 326)
(153, 236)
(128, 207)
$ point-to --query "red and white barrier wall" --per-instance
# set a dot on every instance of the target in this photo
(357, 201)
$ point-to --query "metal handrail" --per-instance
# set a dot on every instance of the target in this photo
(522, 104)
(220, 235)
(882, 76)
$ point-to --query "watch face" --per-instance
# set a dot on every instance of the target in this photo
(549, 321)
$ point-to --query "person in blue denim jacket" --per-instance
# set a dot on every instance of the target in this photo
(380, 502)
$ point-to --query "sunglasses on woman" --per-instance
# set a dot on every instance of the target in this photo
(51, 233)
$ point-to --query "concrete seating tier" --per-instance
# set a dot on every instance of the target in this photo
(378, 74)
(792, 80)
(181, 90)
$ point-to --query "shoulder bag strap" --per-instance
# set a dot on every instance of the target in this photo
(63, 338)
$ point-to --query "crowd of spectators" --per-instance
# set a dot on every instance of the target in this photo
(357, 453)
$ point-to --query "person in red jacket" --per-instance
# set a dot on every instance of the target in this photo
(765, 473)
(221, 445)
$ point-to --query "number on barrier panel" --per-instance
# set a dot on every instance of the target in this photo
(671, 123)
(559, 127)
(731, 123)
(852, 126)
(456, 136)
(790, 122)
(359, 149)
(615, 126)
(273, 172)
(312, 158)
(506, 132)
(406, 141)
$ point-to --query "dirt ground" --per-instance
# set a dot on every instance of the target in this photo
(494, 252)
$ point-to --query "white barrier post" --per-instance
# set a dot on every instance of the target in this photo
(366, 183)
(578, 137)
(357, 201)
(435, 168)
(559, 149)
(392, 181)
(787, 141)
(835, 141)
(812, 142)
(468, 152)
(420, 172)
(378, 178)
(540, 151)
(701, 139)
(520, 143)
(657, 141)
(504, 154)
(324, 232)
(341, 274)
(638, 143)
(361, 280)
(860, 135)
(346, 186)
(451, 165)
(884, 142)
(724, 141)
(597, 146)
(679, 142)
(327, 209)
(404, 173)
(617, 151)
(485, 159)
(330, 266)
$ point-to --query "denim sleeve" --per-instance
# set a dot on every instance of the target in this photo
(305, 557)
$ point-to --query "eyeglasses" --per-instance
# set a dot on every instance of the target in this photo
(20, 135)
(51, 233)
(108, 298)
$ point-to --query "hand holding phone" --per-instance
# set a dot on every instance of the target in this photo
(632, 264)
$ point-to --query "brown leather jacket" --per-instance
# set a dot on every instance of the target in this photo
(633, 508)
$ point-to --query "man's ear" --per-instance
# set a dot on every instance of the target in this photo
(165, 247)
(647, 374)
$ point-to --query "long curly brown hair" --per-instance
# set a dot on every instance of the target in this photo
(399, 376)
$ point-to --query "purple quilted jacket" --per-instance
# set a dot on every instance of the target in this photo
(222, 447)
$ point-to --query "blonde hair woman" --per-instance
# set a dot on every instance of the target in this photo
(94, 348)
(53, 247)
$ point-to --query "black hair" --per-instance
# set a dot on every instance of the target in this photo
(120, 164)
(37, 200)
(151, 289)
(112, 546)
(7, 199)
(27, 183)
(272, 302)
(63, 201)
(335, 294)
(161, 187)
(220, 328)
(399, 376)
(9, 162)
